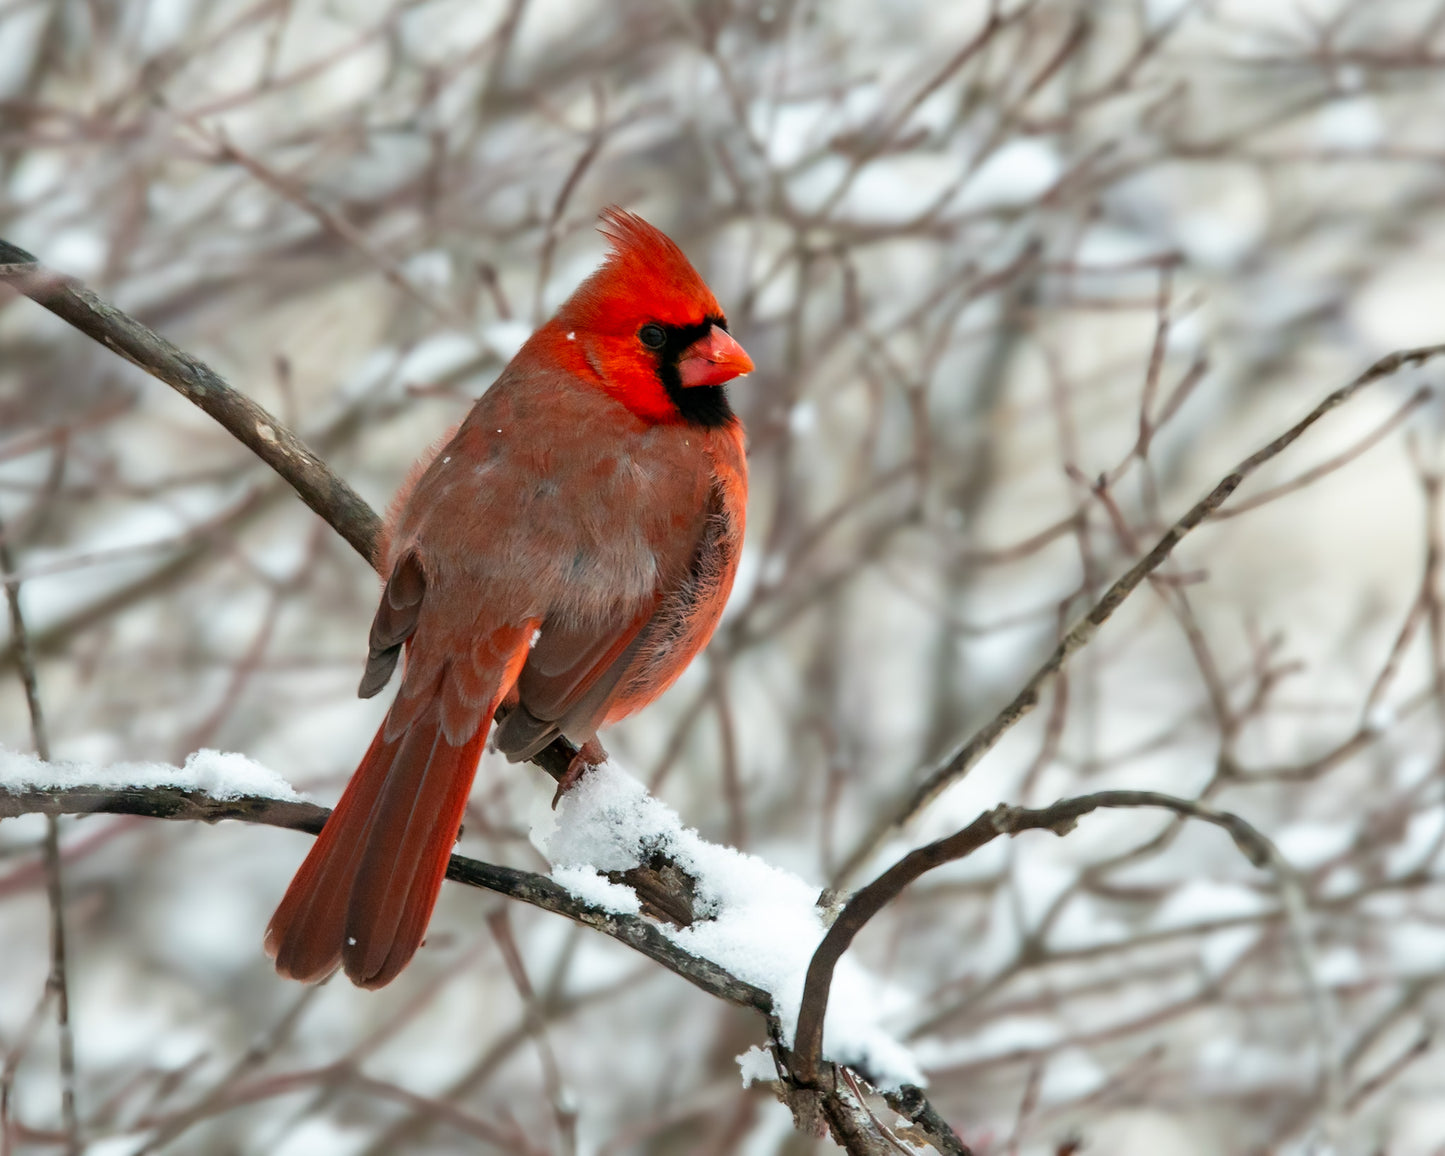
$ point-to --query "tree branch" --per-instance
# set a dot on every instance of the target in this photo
(160, 802)
(1059, 817)
(832, 1106)
(58, 981)
(963, 760)
(250, 424)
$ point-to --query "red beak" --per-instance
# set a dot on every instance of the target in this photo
(713, 359)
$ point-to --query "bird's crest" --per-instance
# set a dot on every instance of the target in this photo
(644, 276)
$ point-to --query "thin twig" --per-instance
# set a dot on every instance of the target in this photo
(500, 924)
(57, 980)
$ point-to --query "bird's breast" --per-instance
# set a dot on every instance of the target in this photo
(560, 511)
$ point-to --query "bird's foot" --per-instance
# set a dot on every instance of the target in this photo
(591, 755)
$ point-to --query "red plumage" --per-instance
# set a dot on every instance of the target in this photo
(567, 553)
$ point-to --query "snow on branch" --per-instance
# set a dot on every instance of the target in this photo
(751, 933)
(759, 922)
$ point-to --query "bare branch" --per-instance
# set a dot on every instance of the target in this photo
(58, 982)
(250, 424)
(963, 760)
(1059, 817)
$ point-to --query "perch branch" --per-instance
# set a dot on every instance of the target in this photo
(834, 1105)
(163, 802)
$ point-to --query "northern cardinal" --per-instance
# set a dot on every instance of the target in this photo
(564, 555)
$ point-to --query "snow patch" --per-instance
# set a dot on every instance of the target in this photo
(757, 1066)
(1007, 1036)
(1071, 1074)
(1423, 836)
(592, 887)
(762, 923)
(1350, 125)
(1204, 901)
(1308, 845)
(220, 774)
(1414, 948)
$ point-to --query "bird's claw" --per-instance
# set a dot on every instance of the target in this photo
(591, 755)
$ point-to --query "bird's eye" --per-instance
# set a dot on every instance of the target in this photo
(652, 336)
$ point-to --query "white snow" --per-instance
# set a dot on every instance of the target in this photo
(1340, 966)
(1071, 1074)
(757, 1066)
(596, 889)
(1422, 836)
(431, 268)
(763, 923)
(1223, 949)
(1353, 124)
(893, 189)
(1159, 13)
(79, 251)
(117, 1145)
(1414, 948)
(220, 774)
(322, 1137)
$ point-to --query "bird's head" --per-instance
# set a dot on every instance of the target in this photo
(650, 330)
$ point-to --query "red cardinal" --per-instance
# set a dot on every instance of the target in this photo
(564, 555)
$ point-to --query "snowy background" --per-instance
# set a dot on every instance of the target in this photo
(1018, 291)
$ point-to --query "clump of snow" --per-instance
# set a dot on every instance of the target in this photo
(1071, 1074)
(757, 1066)
(1223, 949)
(1350, 124)
(1307, 845)
(220, 774)
(117, 1145)
(1422, 838)
(762, 924)
(592, 887)
(79, 251)
(1414, 948)
(1340, 966)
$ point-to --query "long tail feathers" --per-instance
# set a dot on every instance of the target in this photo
(365, 893)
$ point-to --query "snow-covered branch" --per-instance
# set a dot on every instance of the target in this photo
(748, 936)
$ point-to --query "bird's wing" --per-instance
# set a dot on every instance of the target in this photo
(395, 622)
